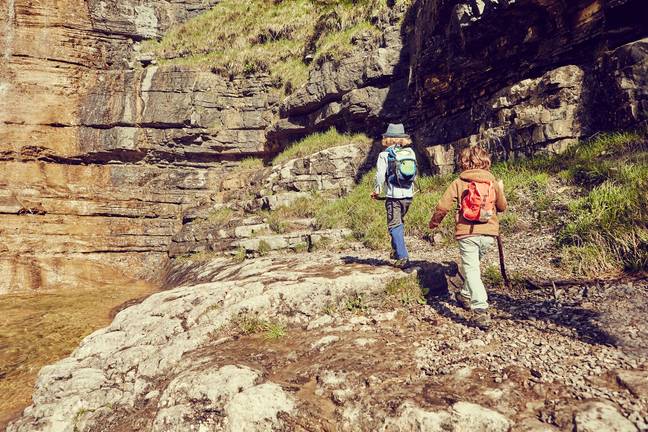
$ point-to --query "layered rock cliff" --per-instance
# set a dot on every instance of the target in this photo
(98, 159)
(102, 149)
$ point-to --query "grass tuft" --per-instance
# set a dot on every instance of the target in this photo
(318, 142)
(249, 324)
(264, 248)
(221, 217)
(407, 290)
(251, 163)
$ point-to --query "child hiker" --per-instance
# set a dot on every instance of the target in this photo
(478, 197)
(396, 170)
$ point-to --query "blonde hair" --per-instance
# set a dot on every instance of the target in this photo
(474, 157)
(401, 142)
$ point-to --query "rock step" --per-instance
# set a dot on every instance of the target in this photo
(304, 240)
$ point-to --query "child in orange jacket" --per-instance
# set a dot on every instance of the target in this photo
(474, 238)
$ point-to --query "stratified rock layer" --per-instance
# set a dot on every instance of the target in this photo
(101, 150)
(96, 170)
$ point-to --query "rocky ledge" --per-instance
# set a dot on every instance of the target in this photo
(335, 350)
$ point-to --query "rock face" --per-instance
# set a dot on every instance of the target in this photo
(96, 170)
(150, 340)
(330, 173)
(98, 167)
(517, 76)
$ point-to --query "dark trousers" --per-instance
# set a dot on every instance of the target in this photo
(396, 211)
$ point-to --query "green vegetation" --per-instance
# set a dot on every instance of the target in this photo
(356, 303)
(366, 217)
(603, 228)
(406, 290)
(277, 36)
(508, 222)
(249, 324)
(264, 248)
(240, 255)
(221, 216)
(274, 331)
(300, 247)
(318, 142)
(330, 309)
(252, 163)
(491, 276)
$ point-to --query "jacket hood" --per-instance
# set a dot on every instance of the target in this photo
(476, 175)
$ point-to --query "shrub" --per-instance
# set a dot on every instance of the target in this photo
(317, 142)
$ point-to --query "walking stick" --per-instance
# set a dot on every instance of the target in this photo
(500, 248)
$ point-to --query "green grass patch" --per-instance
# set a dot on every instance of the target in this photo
(318, 142)
(221, 217)
(367, 218)
(250, 324)
(406, 290)
(356, 303)
(251, 163)
(264, 248)
(276, 36)
(274, 331)
(509, 222)
(240, 255)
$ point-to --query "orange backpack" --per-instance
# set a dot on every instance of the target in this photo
(478, 202)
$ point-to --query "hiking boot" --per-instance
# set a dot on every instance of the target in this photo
(393, 255)
(482, 319)
(463, 301)
(402, 263)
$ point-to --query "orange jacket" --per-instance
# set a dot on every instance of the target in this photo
(451, 200)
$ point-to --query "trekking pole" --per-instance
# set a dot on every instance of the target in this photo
(500, 248)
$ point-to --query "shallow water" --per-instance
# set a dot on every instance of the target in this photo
(39, 328)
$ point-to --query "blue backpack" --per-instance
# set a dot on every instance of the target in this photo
(401, 166)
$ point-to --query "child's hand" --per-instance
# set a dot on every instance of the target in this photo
(374, 195)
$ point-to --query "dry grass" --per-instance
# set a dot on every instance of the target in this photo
(41, 328)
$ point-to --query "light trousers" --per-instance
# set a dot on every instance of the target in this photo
(472, 250)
